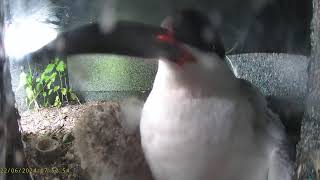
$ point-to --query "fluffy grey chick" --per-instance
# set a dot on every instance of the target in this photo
(106, 151)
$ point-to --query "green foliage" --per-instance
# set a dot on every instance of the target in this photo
(50, 88)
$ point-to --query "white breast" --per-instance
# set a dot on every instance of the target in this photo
(186, 138)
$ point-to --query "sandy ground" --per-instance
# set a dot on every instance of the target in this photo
(89, 137)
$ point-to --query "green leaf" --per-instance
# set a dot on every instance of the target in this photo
(49, 85)
(60, 66)
(64, 91)
(50, 92)
(73, 96)
(44, 85)
(45, 78)
(49, 68)
(39, 87)
(57, 102)
(29, 79)
(56, 88)
(53, 75)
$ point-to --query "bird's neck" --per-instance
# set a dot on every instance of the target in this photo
(171, 77)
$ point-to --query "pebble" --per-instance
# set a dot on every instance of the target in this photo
(65, 110)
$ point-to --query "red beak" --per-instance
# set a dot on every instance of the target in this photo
(186, 55)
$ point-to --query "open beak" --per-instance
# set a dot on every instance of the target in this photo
(126, 38)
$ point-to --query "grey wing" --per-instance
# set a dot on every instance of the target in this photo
(281, 159)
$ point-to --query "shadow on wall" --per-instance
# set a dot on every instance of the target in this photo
(283, 26)
(250, 25)
(247, 25)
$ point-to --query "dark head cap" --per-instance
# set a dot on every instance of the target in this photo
(195, 28)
